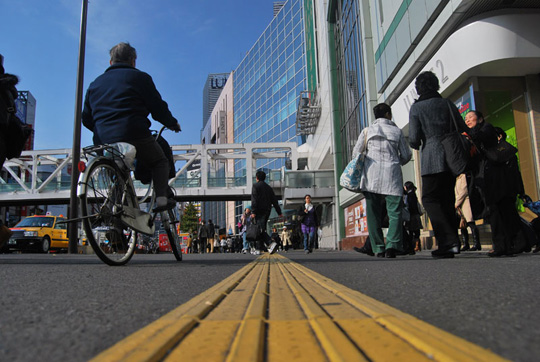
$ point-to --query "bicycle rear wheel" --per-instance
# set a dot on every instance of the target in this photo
(169, 220)
(103, 195)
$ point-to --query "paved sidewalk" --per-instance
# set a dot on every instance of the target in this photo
(274, 309)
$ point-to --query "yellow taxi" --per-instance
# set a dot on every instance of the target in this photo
(40, 233)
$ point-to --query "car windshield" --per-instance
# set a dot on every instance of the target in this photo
(36, 222)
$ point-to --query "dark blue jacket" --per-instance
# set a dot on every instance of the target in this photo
(118, 102)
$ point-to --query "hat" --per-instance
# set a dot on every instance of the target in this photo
(284, 227)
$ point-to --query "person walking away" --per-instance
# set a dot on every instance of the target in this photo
(463, 208)
(309, 223)
(277, 239)
(203, 236)
(382, 180)
(431, 117)
(414, 225)
(262, 200)
(245, 220)
(286, 239)
(116, 108)
(189, 242)
(211, 233)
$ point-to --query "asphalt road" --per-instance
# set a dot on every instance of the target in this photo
(71, 307)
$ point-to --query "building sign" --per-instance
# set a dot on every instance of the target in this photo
(218, 82)
(465, 103)
(356, 219)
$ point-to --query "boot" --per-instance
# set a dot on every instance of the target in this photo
(476, 240)
(465, 240)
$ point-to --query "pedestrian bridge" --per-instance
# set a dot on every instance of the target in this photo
(204, 173)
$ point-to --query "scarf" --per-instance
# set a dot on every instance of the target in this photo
(428, 95)
(308, 207)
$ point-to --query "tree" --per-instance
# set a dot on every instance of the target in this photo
(190, 219)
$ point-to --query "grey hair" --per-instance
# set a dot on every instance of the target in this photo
(123, 53)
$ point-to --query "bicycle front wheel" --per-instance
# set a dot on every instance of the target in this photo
(104, 193)
(169, 220)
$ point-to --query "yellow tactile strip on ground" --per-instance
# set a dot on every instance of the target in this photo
(276, 310)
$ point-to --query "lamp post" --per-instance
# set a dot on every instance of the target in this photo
(73, 228)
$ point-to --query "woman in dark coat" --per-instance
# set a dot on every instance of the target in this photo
(309, 224)
(414, 225)
(501, 182)
(431, 117)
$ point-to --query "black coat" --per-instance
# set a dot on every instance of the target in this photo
(262, 199)
(118, 103)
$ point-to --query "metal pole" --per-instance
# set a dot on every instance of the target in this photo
(73, 228)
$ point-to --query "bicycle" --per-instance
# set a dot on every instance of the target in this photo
(110, 207)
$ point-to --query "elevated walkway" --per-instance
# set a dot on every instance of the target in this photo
(44, 176)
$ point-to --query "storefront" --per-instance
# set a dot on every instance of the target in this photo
(500, 78)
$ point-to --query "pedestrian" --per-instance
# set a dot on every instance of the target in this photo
(431, 117)
(286, 239)
(211, 233)
(464, 211)
(262, 200)
(189, 242)
(116, 109)
(308, 224)
(245, 221)
(276, 238)
(414, 224)
(203, 236)
(223, 245)
(382, 180)
(497, 171)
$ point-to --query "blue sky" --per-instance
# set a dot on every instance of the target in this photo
(178, 43)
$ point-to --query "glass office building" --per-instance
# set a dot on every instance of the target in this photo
(267, 84)
(268, 81)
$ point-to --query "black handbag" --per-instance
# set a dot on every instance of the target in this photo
(16, 132)
(253, 232)
(501, 153)
(457, 149)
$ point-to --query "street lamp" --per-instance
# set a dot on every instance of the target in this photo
(73, 227)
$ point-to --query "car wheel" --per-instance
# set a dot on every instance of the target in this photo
(45, 245)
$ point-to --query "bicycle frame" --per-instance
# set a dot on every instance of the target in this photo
(131, 214)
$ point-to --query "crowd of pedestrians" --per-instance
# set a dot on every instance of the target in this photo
(487, 190)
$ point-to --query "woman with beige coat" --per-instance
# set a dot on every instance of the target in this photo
(463, 208)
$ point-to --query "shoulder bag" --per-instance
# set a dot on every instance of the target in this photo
(253, 232)
(350, 178)
(16, 133)
(457, 148)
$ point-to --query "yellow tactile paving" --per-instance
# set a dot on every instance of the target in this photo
(276, 310)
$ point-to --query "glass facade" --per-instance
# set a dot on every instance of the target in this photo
(350, 78)
(268, 81)
(267, 84)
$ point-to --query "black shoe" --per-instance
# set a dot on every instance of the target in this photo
(445, 253)
(363, 250)
(390, 253)
(381, 255)
(466, 247)
(406, 252)
(171, 204)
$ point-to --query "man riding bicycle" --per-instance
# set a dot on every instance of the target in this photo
(116, 109)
